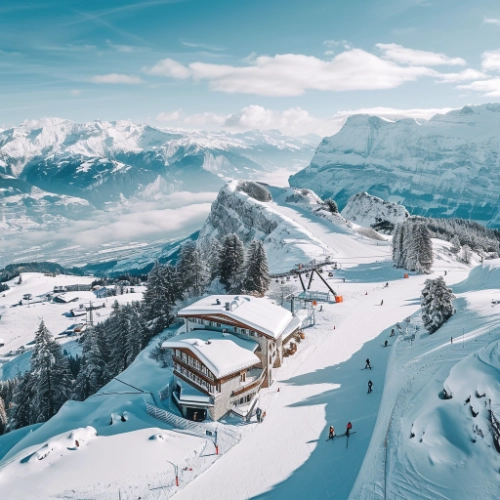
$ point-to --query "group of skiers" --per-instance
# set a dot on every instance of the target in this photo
(347, 433)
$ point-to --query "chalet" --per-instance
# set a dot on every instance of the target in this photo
(231, 345)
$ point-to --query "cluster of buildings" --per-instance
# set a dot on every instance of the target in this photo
(230, 348)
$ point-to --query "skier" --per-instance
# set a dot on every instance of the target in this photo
(392, 333)
(370, 385)
(382, 302)
(344, 280)
(445, 273)
(348, 429)
(258, 412)
(320, 308)
(368, 365)
(387, 284)
(331, 434)
(386, 343)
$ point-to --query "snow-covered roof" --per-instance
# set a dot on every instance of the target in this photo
(222, 353)
(258, 313)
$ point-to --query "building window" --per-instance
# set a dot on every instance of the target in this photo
(218, 325)
(184, 357)
(178, 353)
(243, 377)
(252, 333)
(218, 388)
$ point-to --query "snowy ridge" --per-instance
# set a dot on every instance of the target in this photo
(446, 166)
(102, 160)
(285, 241)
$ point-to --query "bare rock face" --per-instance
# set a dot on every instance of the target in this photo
(370, 211)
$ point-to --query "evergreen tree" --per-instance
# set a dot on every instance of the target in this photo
(436, 301)
(412, 247)
(164, 290)
(22, 412)
(192, 270)
(232, 263)
(421, 249)
(50, 374)
(93, 372)
(397, 245)
(213, 258)
(331, 206)
(455, 244)
(3, 417)
(257, 278)
(466, 254)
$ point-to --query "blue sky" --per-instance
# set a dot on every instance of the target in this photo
(296, 65)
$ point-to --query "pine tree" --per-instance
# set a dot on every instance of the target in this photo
(455, 244)
(192, 270)
(213, 258)
(466, 254)
(3, 416)
(397, 243)
(50, 376)
(421, 250)
(257, 278)
(22, 412)
(331, 206)
(163, 292)
(232, 263)
(93, 372)
(437, 304)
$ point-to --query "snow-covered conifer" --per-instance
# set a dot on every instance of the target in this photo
(22, 413)
(192, 270)
(163, 292)
(331, 206)
(94, 372)
(50, 374)
(257, 270)
(421, 250)
(213, 258)
(455, 244)
(466, 254)
(232, 263)
(3, 417)
(437, 303)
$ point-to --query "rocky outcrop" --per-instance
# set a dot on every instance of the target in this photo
(371, 211)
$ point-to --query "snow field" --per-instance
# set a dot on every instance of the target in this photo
(18, 324)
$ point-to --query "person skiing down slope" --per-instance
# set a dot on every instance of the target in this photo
(348, 429)
(382, 302)
(370, 384)
(331, 434)
(368, 365)
(386, 343)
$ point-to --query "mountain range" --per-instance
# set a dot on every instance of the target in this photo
(447, 166)
(104, 162)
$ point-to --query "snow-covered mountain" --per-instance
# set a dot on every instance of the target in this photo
(371, 211)
(105, 161)
(446, 166)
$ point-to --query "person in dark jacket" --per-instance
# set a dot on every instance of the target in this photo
(348, 429)
(368, 365)
(331, 434)
(370, 385)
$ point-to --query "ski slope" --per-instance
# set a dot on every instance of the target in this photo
(288, 456)
(323, 384)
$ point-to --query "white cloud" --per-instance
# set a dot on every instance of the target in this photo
(336, 44)
(491, 60)
(170, 116)
(293, 74)
(170, 68)
(412, 57)
(489, 20)
(75, 92)
(117, 78)
(463, 76)
(489, 88)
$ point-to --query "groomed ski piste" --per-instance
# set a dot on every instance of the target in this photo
(324, 383)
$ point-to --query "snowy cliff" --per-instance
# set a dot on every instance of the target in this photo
(371, 211)
(447, 166)
(286, 241)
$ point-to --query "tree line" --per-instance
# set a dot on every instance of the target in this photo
(111, 346)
